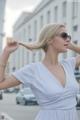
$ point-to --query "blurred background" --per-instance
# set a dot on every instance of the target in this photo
(22, 20)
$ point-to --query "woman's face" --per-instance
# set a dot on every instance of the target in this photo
(61, 41)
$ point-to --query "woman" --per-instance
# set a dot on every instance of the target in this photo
(52, 81)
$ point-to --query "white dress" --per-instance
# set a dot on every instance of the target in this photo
(56, 102)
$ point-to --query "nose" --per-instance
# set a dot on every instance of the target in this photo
(68, 39)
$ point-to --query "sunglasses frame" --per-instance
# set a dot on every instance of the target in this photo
(64, 35)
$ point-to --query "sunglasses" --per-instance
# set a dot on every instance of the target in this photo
(65, 36)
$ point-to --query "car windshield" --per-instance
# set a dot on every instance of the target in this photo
(26, 91)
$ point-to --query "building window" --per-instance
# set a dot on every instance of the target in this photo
(48, 16)
(13, 69)
(40, 55)
(41, 22)
(74, 8)
(29, 39)
(75, 28)
(27, 57)
(24, 34)
(29, 31)
(64, 9)
(33, 59)
(35, 30)
(56, 13)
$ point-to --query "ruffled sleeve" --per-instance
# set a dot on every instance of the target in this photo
(25, 74)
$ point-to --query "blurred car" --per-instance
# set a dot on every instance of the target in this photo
(78, 100)
(9, 90)
(25, 97)
(1, 95)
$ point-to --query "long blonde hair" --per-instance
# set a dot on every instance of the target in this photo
(46, 33)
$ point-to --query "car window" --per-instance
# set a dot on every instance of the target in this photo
(27, 91)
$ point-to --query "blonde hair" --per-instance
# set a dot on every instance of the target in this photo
(46, 33)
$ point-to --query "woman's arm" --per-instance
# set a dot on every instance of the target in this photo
(76, 49)
(7, 81)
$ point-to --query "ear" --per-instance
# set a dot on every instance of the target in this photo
(50, 42)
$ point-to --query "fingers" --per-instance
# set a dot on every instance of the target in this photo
(10, 41)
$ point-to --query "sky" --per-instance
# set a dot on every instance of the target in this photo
(13, 10)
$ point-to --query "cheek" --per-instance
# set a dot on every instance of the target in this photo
(57, 43)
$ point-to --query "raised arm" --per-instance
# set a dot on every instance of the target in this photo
(75, 48)
(7, 81)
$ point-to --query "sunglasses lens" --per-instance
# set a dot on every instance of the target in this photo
(65, 36)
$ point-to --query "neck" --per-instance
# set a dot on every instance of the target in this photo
(51, 58)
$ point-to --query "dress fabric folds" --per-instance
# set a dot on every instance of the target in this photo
(56, 102)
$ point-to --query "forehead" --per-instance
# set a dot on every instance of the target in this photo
(63, 29)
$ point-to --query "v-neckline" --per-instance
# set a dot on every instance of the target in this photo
(53, 76)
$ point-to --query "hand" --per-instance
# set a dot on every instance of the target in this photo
(70, 46)
(11, 45)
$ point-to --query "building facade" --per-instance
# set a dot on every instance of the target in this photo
(26, 29)
(2, 14)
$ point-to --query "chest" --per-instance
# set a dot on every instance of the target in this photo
(59, 74)
(54, 79)
(53, 82)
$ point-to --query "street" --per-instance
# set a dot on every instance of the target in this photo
(18, 112)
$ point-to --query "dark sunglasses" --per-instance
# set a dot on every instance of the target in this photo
(65, 36)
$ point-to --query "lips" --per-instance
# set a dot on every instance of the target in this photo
(65, 44)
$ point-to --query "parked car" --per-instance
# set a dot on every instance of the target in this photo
(25, 97)
(1, 95)
(11, 90)
(78, 100)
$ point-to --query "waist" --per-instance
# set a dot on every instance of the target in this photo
(58, 106)
(56, 109)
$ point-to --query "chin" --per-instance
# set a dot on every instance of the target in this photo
(63, 51)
